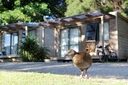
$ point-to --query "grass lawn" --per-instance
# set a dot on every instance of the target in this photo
(31, 78)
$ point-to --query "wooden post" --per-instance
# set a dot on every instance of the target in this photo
(41, 32)
(20, 38)
(1, 39)
(43, 36)
(26, 30)
(102, 32)
(56, 42)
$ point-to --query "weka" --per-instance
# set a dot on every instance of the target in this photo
(81, 60)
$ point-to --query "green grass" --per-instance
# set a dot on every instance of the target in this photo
(30, 78)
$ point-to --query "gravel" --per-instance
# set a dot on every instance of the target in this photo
(100, 70)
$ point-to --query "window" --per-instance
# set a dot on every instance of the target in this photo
(64, 42)
(7, 44)
(10, 44)
(30, 32)
(14, 43)
(106, 31)
(69, 39)
(92, 31)
(23, 35)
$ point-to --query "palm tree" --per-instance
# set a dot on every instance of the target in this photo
(31, 51)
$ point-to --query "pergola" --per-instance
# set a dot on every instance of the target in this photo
(87, 17)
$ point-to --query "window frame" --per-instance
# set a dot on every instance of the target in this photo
(96, 35)
(69, 39)
(11, 44)
(29, 33)
(100, 37)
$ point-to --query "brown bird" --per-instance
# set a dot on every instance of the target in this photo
(81, 60)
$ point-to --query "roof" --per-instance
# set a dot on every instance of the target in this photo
(18, 26)
(86, 17)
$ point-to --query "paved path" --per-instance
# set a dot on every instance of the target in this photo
(103, 70)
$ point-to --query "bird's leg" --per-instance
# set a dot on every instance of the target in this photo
(86, 75)
(82, 74)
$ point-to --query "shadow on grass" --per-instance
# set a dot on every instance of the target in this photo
(101, 70)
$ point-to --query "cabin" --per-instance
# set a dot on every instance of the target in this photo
(78, 32)
(13, 34)
(89, 29)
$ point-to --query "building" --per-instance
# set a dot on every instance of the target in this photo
(13, 34)
(78, 32)
(87, 30)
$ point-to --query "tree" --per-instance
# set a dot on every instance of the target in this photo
(57, 7)
(125, 6)
(30, 12)
(35, 11)
(31, 51)
(86, 5)
(9, 4)
(9, 16)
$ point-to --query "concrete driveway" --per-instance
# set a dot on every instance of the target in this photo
(102, 70)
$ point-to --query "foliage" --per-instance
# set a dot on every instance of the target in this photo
(29, 12)
(57, 7)
(13, 16)
(2, 8)
(9, 4)
(30, 50)
(77, 5)
(125, 6)
(35, 11)
(87, 5)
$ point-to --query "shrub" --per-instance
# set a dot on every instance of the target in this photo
(31, 51)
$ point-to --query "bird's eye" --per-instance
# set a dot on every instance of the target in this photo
(69, 52)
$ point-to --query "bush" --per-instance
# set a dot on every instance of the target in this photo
(30, 50)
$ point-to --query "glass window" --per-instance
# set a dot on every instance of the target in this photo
(14, 43)
(23, 35)
(10, 44)
(91, 31)
(106, 31)
(32, 32)
(74, 39)
(7, 44)
(69, 40)
(64, 37)
(64, 41)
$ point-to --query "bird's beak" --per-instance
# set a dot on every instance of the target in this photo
(66, 55)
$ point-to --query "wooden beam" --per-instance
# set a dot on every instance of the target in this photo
(26, 30)
(102, 32)
(79, 17)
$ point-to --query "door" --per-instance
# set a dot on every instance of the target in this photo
(10, 44)
(69, 39)
(14, 43)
